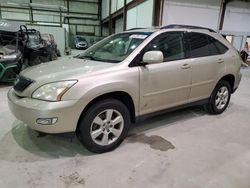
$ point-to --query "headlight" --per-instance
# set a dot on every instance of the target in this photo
(53, 91)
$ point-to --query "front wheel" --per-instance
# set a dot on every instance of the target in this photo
(220, 98)
(104, 126)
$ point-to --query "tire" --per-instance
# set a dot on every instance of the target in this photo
(220, 98)
(97, 130)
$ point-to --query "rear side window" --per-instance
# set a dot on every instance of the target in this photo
(198, 45)
(171, 44)
(216, 47)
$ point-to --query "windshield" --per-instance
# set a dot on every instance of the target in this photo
(116, 48)
(80, 39)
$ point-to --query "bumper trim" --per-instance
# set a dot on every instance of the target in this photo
(28, 110)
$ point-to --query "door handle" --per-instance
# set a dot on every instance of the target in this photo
(220, 60)
(185, 66)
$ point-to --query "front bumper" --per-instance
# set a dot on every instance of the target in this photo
(28, 110)
(80, 45)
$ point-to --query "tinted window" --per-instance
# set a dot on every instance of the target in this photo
(199, 46)
(216, 47)
(171, 45)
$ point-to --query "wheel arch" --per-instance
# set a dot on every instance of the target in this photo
(230, 79)
(122, 96)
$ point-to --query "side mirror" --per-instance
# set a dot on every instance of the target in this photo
(152, 57)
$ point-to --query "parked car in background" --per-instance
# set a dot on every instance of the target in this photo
(126, 77)
(80, 43)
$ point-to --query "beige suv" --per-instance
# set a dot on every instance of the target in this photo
(124, 78)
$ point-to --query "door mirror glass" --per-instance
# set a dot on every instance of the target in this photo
(152, 57)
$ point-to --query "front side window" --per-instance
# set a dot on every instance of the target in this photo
(198, 44)
(116, 48)
(170, 44)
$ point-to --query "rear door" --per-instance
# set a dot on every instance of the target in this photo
(207, 62)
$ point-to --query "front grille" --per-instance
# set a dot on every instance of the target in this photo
(22, 83)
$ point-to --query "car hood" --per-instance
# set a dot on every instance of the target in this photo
(68, 68)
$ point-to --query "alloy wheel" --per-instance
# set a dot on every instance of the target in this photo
(107, 127)
(221, 98)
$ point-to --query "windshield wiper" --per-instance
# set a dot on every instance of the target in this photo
(88, 57)
(85, 57)
(97, 59)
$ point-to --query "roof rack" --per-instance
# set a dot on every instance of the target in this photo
(171, 26)
(135, 28)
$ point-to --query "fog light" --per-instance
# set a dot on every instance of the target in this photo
(46, 121)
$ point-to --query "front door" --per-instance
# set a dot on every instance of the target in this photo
(166, 84)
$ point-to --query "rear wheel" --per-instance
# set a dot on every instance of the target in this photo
(104, 126)
(220, 98)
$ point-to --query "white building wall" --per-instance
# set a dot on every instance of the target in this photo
(116, 5)
(120, 4)
(119, 25)
(131, 18)
(192, 12)
(113, 6)
(105, 8)
(236, 22)
(141, 15)
(237, 17)
(206, 13)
